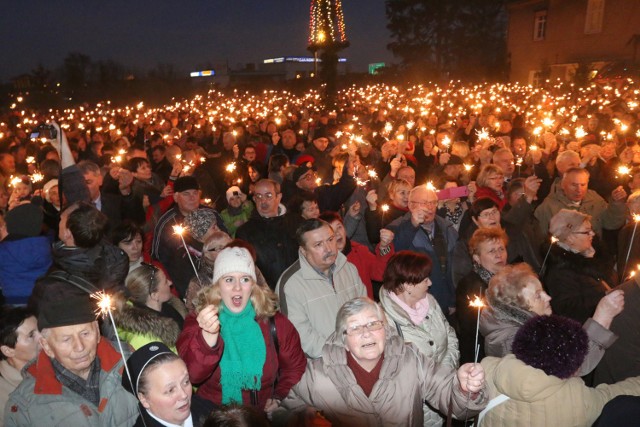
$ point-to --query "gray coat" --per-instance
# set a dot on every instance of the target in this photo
(41, 400)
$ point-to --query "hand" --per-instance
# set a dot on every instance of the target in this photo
(270, 406)
(145, 202)
(609, 307)
(473, 187)
(372, 199)
(395, 164)
(167, 191)
(176, 169)
(236, 151)
(210, 324)
(619, 195)
(275, 138)
(536, 156)
(125, 178)
(531, 187)
(354, 210)
(444, 159)
(471, 377)
(386, 237)
(417, 217)
(114, 171)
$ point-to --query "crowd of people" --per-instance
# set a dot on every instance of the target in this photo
(410, 257)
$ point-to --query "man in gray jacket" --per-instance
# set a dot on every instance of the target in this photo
(314, 288)
(76, 378)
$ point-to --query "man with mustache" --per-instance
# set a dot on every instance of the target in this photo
(314, 288)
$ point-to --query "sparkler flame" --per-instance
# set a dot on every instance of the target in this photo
(476, 302)
(179, 229)
(231, 167)
(385, 208)
(105, 304)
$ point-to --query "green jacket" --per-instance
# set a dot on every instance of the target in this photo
(610, 216)
(232, 222)
(41, 400)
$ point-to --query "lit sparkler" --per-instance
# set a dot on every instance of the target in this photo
(179, 230)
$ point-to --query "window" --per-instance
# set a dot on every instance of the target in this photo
(539, 25)
(595, 15)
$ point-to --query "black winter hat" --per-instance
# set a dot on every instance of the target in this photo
(24, 220)
(185, 183)
(70, 311)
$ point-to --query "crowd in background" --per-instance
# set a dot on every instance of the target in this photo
(280, 256)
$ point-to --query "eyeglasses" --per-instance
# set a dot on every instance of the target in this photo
(489, 213)
(152, 278)
(259, 196)
(584, 232)
(430, 203)
(376, 325)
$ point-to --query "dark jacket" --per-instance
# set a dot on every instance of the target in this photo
(286, 365)
(575, 283)
(105, 266)
(408, 237)
(622, 359)
(274, 242)
(22, 261)
(467, 316)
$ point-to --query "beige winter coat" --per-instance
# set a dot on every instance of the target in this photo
(538, 399)
(434, 337)
(406, 378)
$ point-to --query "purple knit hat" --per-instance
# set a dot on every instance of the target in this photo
(555, 344)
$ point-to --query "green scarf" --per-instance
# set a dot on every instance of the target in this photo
(244, 353)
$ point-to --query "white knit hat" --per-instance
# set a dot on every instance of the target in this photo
(233, 260)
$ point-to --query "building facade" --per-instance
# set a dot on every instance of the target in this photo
(551, 38)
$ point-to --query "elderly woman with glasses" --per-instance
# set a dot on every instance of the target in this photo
(515, 295)
(576, 279)
(149, 314)
(490, 184)
(368, 376)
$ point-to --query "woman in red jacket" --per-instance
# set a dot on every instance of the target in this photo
(490, 184)
(237, 345)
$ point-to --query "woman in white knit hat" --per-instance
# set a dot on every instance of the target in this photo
(236, 344)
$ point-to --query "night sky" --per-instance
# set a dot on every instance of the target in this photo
(142, 33)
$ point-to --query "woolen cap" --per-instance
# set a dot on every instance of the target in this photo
(233, 189)
(199, 221)
(76, 310)
(233, 260)
(138, 362)
(555, 344)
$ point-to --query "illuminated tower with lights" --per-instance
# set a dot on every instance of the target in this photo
(326, 26)
(327, 34)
